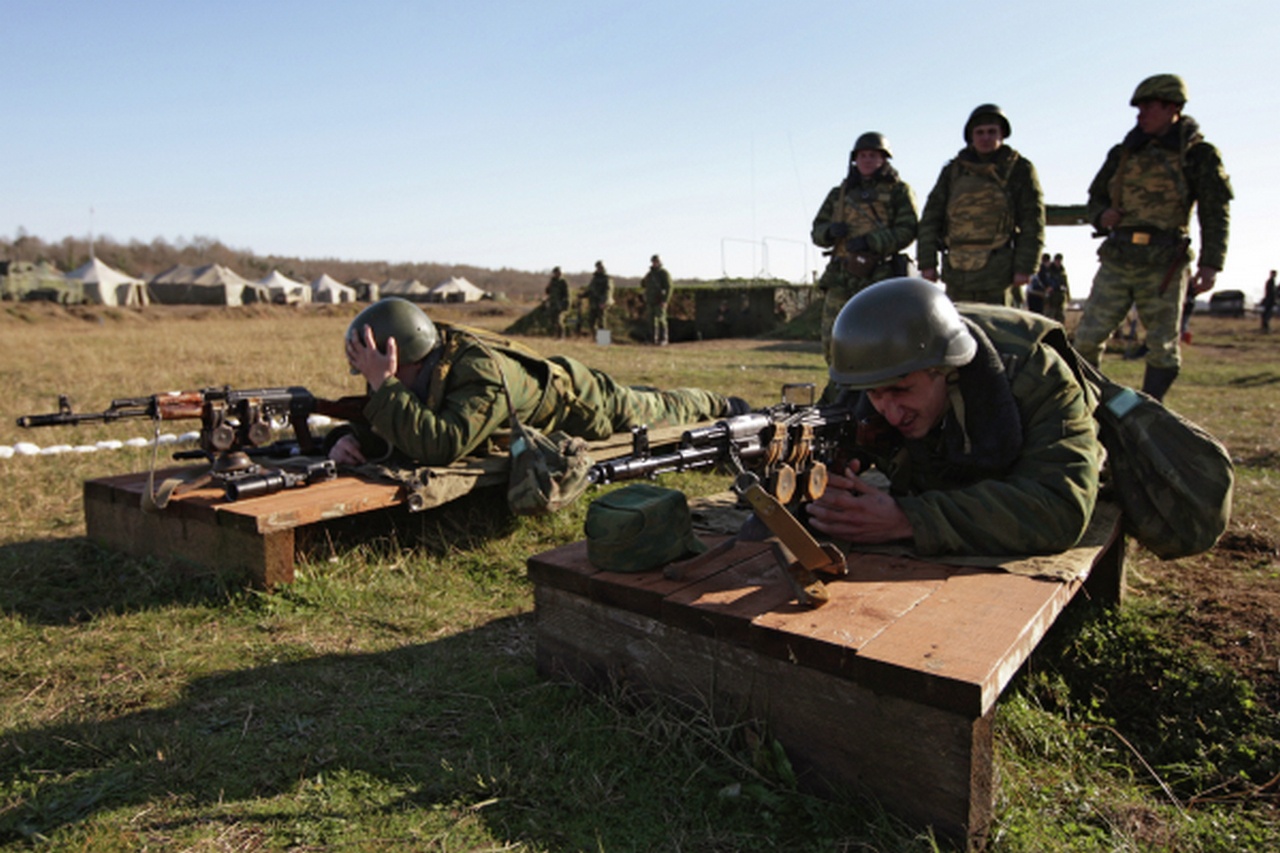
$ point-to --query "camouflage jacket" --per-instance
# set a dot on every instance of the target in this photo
(456, 403)
(600, 290)
(1021, 476)
(657, 286)
(558, 294)
(1201, 181)
(1021, 186)
(881, 208)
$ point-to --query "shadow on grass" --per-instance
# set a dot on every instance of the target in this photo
(455, 738)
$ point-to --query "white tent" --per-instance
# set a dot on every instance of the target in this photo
(107, 286)
(455, 290)
(211, 284)
(328, 289)
(406, 288)
(284, 290)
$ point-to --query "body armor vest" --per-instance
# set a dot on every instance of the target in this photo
(1151, 189)
(864, 208)
(979, 214)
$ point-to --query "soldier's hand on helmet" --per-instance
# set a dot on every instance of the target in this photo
(929, 274)
(346, 451)
(853, 510)
(363, 356)
(1204, 280)
(1110, 218)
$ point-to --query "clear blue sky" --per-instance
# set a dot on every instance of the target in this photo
(530, 134)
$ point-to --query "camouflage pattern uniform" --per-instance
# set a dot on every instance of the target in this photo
(1034, 487)
(558, 302)
(599, 297)
(1146, 261)
(882, 210)
(657, 293)
(985, 215)
(456, 404)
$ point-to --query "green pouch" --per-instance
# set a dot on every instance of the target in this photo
(548, 472)
(639, 528)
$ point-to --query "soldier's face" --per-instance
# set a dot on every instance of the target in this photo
(1156, 117)
(987, 138)
(868, 161)
(914, 404)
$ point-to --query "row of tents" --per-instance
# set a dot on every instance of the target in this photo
(211, 284)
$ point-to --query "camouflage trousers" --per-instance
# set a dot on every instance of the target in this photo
(603, 407)
(658, 326)
(1118, 286)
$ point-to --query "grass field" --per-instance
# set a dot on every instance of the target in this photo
(387, 700)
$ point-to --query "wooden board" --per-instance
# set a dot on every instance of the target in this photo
(888, 689)
(261, 536)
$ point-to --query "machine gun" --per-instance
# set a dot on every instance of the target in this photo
(779, 457)
(235, 424)
(788, 446)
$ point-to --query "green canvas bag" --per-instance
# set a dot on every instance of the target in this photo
(639, 528)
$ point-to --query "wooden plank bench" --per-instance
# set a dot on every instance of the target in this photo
(889, 689)
(263, 536)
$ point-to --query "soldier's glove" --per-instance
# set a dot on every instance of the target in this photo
(837, 231)
(858, 244)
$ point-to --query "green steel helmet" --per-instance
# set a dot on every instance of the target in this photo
(1160, 87)
(987, 114)
(394, 317)
(895, 327)
(872, 141)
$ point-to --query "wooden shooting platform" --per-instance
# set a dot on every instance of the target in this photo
(263, 536)
(889, 689)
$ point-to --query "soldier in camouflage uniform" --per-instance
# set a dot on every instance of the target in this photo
(999, 451)
(1142, 199)
(985, 215)
(558, 302)
(436, 392)
(657, 293)
(865, 222)
(599, 296)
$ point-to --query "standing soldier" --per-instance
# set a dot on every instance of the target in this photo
(1059, 291)
(599, 296)
(558, 301)
(657, 293)
(1142, 199)
(864, 222)
(1268, 301)
(985, 215)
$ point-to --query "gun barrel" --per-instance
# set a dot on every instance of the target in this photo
(632, 468)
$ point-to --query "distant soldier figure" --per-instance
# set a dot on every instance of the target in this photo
(1268, 301)
(985, 216)
(865, 222)
(1058, 291)
(1038, 286)
(1142, 199)
(599, 297)
(657, 293)
(558, 302)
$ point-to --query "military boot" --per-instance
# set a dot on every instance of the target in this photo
(1157, 380)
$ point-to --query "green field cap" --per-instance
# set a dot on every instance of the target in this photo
(639, 528)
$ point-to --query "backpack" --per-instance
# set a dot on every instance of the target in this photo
(1172, 479)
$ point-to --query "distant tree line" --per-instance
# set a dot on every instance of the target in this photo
(145, 260)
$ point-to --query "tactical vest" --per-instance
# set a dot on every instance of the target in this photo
(1149, 185)
(864, 209)
(979, 213)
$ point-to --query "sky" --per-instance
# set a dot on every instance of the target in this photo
(535, 133)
